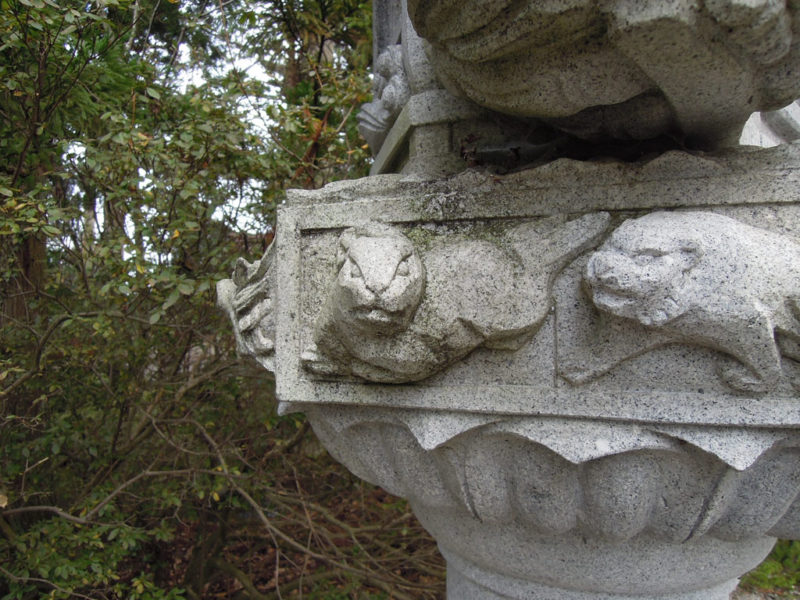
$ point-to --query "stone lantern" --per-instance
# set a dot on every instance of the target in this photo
(562, 316)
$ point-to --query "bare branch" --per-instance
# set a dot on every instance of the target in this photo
(134, 21)
(49, 509)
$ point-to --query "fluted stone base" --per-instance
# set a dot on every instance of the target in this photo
(515, 520)
(467, 582)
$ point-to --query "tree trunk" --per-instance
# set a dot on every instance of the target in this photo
(31, 257)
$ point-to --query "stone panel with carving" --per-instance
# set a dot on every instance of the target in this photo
(580, 369)
(486, 313)
(699, 278)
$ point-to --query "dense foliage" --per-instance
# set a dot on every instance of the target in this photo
(780, 572)
(145, 145)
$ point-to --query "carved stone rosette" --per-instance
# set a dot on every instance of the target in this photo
(583, 376)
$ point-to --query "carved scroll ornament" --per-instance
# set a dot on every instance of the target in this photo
(391, 91)
(247, 299)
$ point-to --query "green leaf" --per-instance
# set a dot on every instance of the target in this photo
(171, 299)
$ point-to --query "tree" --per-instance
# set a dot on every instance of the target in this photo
(142, 157)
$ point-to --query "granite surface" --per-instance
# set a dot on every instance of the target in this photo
(539, 372)
(625, 70)
(582, 376)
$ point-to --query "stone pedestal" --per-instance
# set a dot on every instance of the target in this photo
(569, 337)
(467, 582)
(583, 376)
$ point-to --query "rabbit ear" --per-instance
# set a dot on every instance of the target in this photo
(240, 272)
(690, 254)
(345, 240)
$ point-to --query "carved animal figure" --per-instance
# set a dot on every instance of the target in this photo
(380, 280)
(603, 69)
(391, 91)
(393, 314)
(706, 279)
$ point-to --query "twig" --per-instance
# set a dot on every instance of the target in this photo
(6, 529)
(277, 532)
(134, 21)
(51, 509)
(241, 576)
(36, 365)
(283, 448)
(148, 473)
